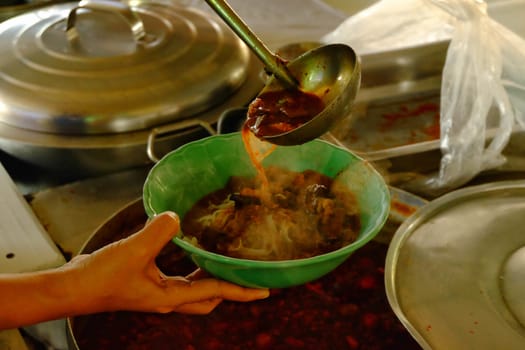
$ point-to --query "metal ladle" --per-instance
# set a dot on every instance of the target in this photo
(332, 72)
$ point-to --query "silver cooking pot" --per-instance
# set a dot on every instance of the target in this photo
(123, 223)
(100, 86)
(132, 217)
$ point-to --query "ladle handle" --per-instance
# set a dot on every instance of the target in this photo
(272, 62)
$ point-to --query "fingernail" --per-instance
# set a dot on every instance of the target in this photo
(263, 293)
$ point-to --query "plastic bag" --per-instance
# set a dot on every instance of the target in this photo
(484, 72)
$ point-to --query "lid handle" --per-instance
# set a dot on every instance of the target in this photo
(133, 20)
(169, 129)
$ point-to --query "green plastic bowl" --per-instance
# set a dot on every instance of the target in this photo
(190, 172)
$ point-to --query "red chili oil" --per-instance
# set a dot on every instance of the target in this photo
(276, 112)
(346, 309)
(405, 112)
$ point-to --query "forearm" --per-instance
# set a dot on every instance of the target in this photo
(30, 298)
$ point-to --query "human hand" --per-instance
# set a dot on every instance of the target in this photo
(124, 276)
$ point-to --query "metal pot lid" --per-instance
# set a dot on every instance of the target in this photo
(455, 269)
(108, 67)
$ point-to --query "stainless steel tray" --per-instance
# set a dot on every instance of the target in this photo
(396, 112)
(395, 121)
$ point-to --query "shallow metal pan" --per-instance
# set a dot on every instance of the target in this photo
(395, 120)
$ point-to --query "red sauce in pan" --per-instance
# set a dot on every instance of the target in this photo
(276, 112)
(346, 309)
(432, 130)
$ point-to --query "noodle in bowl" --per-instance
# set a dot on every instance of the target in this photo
(186, 175)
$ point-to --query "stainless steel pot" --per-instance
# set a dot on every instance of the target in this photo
(85, 85)
(132, 217)
(123, 223)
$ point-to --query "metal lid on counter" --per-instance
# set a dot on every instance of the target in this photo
(455, 269)
(99, 67)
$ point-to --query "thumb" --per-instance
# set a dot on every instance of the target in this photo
(157, 232)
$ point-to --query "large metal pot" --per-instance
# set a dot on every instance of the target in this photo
(86, 86)
(132, 217)
(124, 222)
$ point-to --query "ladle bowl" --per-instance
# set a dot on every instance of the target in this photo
(332, 72)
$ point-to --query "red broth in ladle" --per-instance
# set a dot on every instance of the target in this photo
(277, 112)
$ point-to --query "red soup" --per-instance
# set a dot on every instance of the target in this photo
(346, 309)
